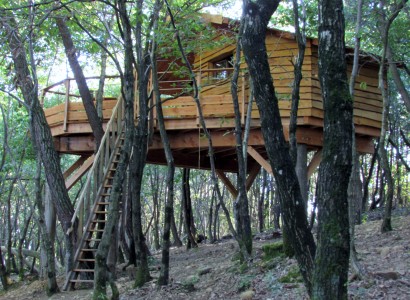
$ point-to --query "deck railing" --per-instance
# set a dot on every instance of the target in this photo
(67, 84)
(96, 175)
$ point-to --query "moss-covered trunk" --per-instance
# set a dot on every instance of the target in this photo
(332, 254)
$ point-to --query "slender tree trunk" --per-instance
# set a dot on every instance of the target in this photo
(365, 199)
(177, 241)
(187, 209)
(241, 204)
(355, 185)
(256, 17)
(99, 98)
(262, 207)
(9, 226)
(169, 199)
(203, 124)
(384, 27)
(102, 273)
(40, 133)
(22, 238)
(297, 72)
(46, 238)
(85, 93)
(211, 237)
(3, 272)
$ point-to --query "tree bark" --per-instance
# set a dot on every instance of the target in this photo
(187, 210)
(139, 145)
(85, 93)
(384, 28)
(47, 239)
(241, 205)
(263, 205)
(332, 254)
(256, 17)
(40, 132)
(297, 72)
(169, 199)
(3, 272)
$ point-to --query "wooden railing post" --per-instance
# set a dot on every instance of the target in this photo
(80, 229)
(67, 100)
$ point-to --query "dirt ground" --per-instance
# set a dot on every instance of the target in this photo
(210, 273)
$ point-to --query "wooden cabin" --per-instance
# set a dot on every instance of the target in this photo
(213, 68)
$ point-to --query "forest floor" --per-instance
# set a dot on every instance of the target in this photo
(210, 273)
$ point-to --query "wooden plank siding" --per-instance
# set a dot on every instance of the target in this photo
(181, 113)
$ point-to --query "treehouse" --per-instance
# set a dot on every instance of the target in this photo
(213, 69)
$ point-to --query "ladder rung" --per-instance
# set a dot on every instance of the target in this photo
(99, 221)
(93, 240)
(88, 250)
(96, 230)
(84, 270)
(105, 194)
(86, 259)
(81, 280)
(103, 203)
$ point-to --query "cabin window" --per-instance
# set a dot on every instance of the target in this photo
(225, 65)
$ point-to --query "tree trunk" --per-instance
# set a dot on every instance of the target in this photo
(261, 202)
(177, 241)
(297, 72)
(203, 124)
(301, 172)
(22, 238)
(384, 23)
(332, 254)
(50, 220)
(256, 17)
(241, 204)
(211, 237)
(187, 210)
(47, 240)
(365, 199)
(3, 272)
(9, 226)
(102, 273)
(86, 96)
(41, 135)
(169, 199)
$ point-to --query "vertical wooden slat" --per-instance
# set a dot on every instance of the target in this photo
(80, 229)
(67, 100)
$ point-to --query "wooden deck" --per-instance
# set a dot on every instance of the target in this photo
(73, 135)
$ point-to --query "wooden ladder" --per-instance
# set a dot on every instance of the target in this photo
(84, 259)
(92, 206)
